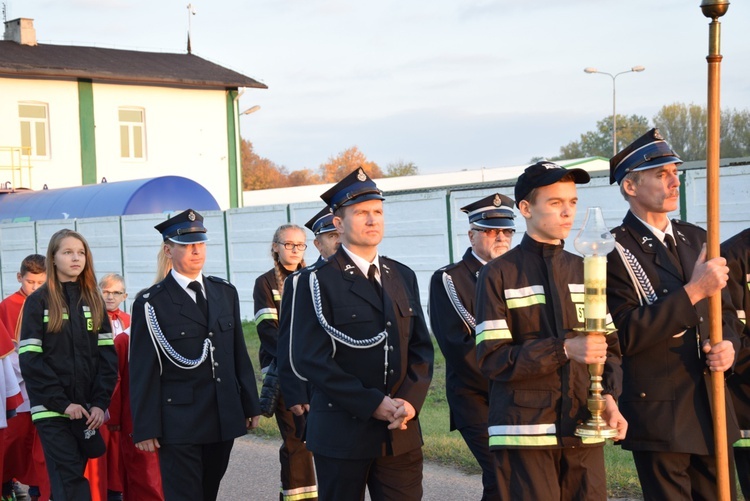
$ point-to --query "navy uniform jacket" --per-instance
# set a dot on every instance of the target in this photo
(295, 390)
(666, 383)
(736, 250)
(191, 406)
(348, 383)
(466, 389)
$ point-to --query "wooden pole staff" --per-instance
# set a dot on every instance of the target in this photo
(714, 9)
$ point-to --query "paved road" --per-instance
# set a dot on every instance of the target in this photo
(253, 474)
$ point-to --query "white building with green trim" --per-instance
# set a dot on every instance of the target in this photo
(72, 115)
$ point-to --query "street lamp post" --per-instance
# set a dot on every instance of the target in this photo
(634, 69)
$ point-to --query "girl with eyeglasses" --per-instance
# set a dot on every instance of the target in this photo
(297, 472)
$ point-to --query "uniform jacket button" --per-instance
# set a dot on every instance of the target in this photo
(182, 333)
(665, 291)
(390, 348)
(216, 364)
(330, 404)
(218, 380)
(388, 323)
(169, 400)
(642, 395)
(354, 315)
(210, 334)
(390, 372)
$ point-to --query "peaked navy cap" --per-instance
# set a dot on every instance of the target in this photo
(355, 188)
(184, 228)
(494, 211)
(322, 222)
(647, 152)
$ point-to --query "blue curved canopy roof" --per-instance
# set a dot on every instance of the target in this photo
(139, 196)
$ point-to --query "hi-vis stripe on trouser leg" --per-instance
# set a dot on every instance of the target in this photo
(528, 435)
(310, 492)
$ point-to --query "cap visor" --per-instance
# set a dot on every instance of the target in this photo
(498, 222)
(363, 198)
(189, 238)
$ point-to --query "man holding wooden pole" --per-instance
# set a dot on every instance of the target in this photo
(659, 280)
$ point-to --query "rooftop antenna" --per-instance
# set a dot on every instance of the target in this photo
(191, 13)
(5, 12)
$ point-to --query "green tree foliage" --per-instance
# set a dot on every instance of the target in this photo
(598, 142)
(684, 127)
(338, 167)
(401, 168)
(735, 134)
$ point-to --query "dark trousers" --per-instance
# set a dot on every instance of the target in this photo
(554, 474)
(742, 460)
(478, 440)
(674, 475)
(190, 471)
(297, 469)
(65, 461)
(388, 478)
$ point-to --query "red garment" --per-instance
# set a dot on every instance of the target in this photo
(141, 474)
(24, 455)
(115, 472)
(10, 311)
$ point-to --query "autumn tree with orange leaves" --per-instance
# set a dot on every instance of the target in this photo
(338, 167)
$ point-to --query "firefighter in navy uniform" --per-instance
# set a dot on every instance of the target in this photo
(359, 336)
(452, 291)
(736, 251)
(192, 384)
(296, 391)
(529, 303)
(657, 284)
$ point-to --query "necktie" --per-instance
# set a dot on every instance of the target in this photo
(371, 277)
(672, 248)
(200, 299)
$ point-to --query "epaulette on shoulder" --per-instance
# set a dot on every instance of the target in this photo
(450, 267)
(317, 265)
(385, 260)
(219, 280)
(679, 222)
(150, 292)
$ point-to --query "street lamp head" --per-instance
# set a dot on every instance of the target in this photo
(252, 109)
(590, 70)
(638, 68)
(714, 8)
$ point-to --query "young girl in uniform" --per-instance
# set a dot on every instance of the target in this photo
(287, 250)
(69, 363)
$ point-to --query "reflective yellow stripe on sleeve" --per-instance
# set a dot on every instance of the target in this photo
(525, 296)
(266, 314)
(493, 330)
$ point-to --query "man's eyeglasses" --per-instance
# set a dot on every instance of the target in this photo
(113, 293)
(494, 232)
(291, 246)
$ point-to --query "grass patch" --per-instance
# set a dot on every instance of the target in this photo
(448, 448)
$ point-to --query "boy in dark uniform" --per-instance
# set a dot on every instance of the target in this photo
(736, 251)
(529, 305)
(658, 282)
(360, 338)
(452, 291)
(190, 321)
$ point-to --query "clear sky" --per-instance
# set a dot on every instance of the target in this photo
(446, 84)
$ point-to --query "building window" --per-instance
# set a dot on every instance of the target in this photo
(34, 129)
(132, 133)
